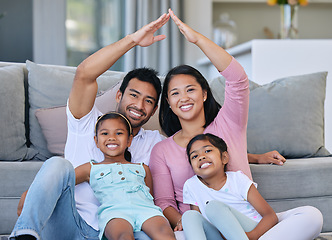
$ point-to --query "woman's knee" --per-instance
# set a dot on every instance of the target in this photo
(314, 216)
(314, 212)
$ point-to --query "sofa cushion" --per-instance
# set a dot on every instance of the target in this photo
(49, 86)
(286, 115)
(299, 182)
(53, 121)
(298, 178)
(12, 117)
(15, 178)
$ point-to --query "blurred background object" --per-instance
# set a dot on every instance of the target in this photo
(225, 31)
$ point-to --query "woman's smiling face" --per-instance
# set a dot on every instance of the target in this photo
(186, 97)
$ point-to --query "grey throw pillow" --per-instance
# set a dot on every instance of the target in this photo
(49, 86)
(12, 129)
(286, 115)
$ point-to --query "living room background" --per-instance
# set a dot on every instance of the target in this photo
(41, 36)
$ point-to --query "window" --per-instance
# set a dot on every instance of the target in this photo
(91, 25)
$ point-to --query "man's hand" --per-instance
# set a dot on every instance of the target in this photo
(273, 157)
(145, 36)
(21, 203)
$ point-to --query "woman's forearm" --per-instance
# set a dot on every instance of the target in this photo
(217, 55)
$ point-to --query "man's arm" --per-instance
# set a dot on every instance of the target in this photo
(84, 88)
(273, 157)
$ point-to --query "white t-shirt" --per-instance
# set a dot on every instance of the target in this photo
(234, 193)
(80, 148)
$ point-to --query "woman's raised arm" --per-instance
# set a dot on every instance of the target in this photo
(217, 55)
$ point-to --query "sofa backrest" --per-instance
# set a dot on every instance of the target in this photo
(279, 116)
(47, 89)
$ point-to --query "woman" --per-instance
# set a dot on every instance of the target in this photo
(187, 109)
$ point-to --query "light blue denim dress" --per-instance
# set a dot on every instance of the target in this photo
(122, 193)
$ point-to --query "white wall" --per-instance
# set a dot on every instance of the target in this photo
(198, 15)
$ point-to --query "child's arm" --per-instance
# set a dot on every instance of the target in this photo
(148, 178)
(82, 173)
(265, 210)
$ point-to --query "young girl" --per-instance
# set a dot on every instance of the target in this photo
(229, 200)
(122, 188)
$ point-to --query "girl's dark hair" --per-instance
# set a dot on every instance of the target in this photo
(125, 121)
(169, 122)
(148, 75)
(213, 139)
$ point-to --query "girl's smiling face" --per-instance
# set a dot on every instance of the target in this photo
(186, 97)
(112, 139)
(206, 160)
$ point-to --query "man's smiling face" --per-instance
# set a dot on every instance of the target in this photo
(137, 102)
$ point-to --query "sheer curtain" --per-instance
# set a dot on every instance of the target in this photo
(162, 55)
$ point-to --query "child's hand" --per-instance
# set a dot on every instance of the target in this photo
(178, 226)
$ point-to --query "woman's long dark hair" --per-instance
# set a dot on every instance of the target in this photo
(169, 122)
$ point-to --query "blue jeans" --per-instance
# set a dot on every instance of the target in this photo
(49, 210)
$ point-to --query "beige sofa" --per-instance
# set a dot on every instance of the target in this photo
(286, 115)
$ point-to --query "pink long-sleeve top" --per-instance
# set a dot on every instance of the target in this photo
(169, 164)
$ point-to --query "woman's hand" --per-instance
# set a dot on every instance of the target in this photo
(191, 35)
(217, 55)
(145, 36)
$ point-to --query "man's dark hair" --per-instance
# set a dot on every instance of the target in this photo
(145, 75)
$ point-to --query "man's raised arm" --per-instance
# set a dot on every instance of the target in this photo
(84, 88)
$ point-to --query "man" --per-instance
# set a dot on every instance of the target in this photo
(49, 208)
